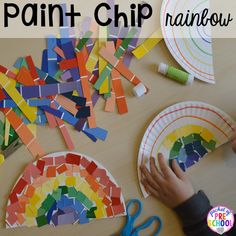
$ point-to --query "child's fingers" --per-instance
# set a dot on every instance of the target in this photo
(177, 170)
(155, 172)
(149, 177)
(234, 136)
(165, 169)
(234, 145)
(150, 189)
(144, 183)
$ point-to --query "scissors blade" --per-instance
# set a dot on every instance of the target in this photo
(12, 148)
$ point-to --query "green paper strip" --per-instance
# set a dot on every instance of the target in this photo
(64, 190)
(72, 192)
(83, 41)
(119, 52)
(41, 212)
(57, 194)
(197, 137)
(188, 139)
(41, 221)
(210, 146)
(173, 154)
(58, 74)
(177, 146)
(84, 200)
(24, 64)
(48, 203)
(90, 213)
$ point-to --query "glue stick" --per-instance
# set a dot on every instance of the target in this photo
(176, 74)
(139, 90)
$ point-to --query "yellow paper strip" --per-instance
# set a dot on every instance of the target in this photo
(7, 132)
(75, 93)
(102, 62)
(102, 43)
(207, 135)
(93, 58)
(9, 85)
(148, 44)
(2, 159)
(104, 87)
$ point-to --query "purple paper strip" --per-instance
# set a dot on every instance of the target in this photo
(68, 87)
(90, 45)
(95, 97)
(110, 13)
(68, 50)
(66, 76)
(68, 210)
(70, 54)
(85, 26)
(66, 219)
(81, 123)
(123, 32)
(192, 159)
(113, 32)
(55, 219)
(29, 91)
(129, 56)
(48, 89)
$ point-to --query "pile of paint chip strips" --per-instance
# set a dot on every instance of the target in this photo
(61, 90)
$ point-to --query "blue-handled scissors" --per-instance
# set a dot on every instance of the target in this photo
(130, 229)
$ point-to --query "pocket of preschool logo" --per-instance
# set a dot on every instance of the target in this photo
(220, 219)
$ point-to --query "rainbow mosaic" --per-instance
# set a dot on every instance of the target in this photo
(63, 188)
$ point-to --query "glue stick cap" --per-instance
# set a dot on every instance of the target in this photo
(163, 68)
(139, 90)
(190, 79)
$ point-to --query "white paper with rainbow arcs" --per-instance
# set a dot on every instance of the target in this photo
(186, 132)
(190, 46)
(63, 188)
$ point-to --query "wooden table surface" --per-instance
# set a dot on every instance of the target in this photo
(215, 174)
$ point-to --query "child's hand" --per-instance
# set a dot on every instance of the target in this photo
(234, 143)
(171, 187)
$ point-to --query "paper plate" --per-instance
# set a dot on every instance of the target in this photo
(63, 188)
(190, 46)
(187, 132)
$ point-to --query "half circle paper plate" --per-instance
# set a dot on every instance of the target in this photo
(187, 132)
(190, 46)
(63, 188)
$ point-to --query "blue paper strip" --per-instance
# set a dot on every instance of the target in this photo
(52, 56)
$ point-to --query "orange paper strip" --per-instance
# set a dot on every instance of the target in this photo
(117, 83)
(60, 52)
(24, 133)
(67, 104)
(119, 92)
(86, 88)
(24, 77)
(110, 102)
(68, 64)
(119, 66)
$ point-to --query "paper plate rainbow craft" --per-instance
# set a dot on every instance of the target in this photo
(187, 132)
(63, 188)
(190, 46)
